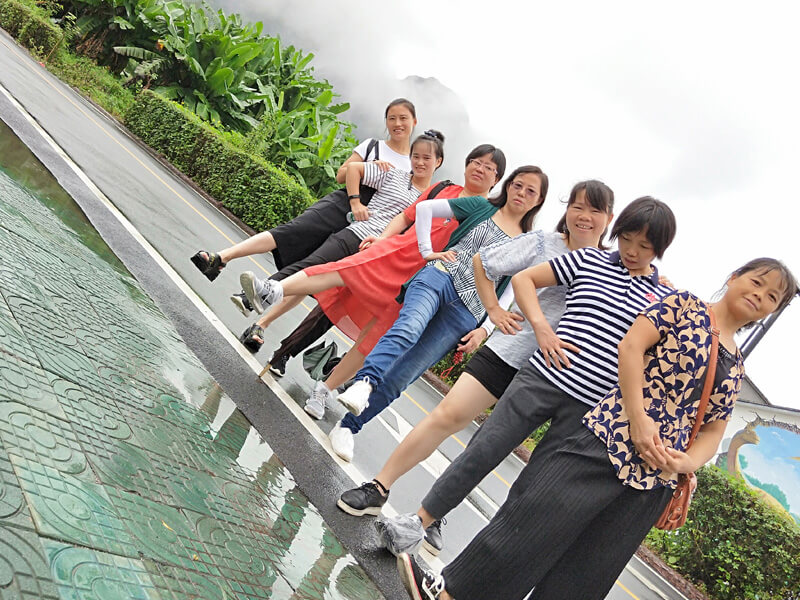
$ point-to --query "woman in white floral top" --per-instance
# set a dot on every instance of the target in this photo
(577, 518)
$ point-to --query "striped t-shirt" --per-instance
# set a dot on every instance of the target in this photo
(603, 301)
(394, 194)
(462, 271)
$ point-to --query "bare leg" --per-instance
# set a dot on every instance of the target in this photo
(287, 304)
(351, 362)
(466, 399)
(303, 285)
(257, 244)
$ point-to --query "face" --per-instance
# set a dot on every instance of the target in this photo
(424, 160)
(400, 122)
(755, 294)
(523, 192)
(636, 251)
(585, 223)
(481, 173)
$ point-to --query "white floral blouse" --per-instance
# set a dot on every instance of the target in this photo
(675, 369)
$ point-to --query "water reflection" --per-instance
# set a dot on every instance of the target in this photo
(178, 484)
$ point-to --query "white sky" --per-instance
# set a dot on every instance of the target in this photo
(693, 103)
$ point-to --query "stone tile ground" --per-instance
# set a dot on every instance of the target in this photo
(125, 471)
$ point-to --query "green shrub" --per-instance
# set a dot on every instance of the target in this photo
(257, 192)
(733, 544)
(29, 26)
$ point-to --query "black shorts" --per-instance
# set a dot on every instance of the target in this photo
(491, 371)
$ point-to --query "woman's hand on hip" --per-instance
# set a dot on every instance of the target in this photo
(552, 346)
(506, 321)
(471, 341)
(446, 256)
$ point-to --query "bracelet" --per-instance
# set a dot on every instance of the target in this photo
(354, 197)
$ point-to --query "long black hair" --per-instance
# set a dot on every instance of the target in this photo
(500, 200)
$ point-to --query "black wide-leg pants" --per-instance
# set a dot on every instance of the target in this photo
(567, 530)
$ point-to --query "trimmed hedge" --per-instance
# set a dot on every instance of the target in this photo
(257, 192)
(30, 28)
(733, 544)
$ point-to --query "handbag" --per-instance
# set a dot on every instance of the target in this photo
(319, 360)
(675, 512)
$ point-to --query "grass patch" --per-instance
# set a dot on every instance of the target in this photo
(96, 82)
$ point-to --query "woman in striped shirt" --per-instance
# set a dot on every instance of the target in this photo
(396, 190)
(575, 516)
(605, 292)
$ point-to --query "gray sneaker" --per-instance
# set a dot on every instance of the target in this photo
(433, 541)
(260, 292)
(403, 533)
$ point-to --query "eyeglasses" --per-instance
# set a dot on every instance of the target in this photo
(530, 193)
(482, 165)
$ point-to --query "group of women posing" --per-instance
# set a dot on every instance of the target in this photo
(410, 270)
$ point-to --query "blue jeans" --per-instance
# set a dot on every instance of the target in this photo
(432, 321)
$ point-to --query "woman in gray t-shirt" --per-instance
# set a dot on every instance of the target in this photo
(491, 369)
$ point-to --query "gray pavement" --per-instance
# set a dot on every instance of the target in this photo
(177, 221)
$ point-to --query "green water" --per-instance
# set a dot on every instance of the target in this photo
(19, 163)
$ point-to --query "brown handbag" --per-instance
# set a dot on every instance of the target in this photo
(674, 514)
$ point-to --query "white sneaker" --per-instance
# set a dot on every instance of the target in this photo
(260, 292)
(356, 397)
(319, 399)
(342, 442)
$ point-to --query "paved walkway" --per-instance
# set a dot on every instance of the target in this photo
(176, 221)
(125, 470)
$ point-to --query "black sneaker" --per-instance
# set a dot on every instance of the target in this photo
(277, 365)
(364, 500)
(252, 338)
(420, 583)
(432, 542)
(241, 302)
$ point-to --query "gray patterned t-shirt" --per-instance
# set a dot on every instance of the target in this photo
(510, 257)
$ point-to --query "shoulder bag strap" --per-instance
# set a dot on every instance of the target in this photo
(373, 147)
(711, 372)
(437, 189)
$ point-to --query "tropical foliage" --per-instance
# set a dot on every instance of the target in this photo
(228, 73)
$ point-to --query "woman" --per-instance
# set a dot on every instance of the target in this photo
(359, 293)
(487, 375)
(441, 304)
(396, 190)
(605, 292)
(575, 521)
(298, 238)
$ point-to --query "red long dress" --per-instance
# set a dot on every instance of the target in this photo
(373, 277)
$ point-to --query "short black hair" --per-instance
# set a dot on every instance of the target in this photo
(654, 216)
(497, 157)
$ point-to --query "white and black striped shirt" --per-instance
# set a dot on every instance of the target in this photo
(394, 194)
(482, 235)
(603, 301)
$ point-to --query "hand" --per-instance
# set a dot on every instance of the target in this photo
(446, 256)
(679, 462)
(553, 347)
(360, 212)
(664, 280)
(471, 341)
(647, 441)
(384, 166)
(367, 242)
(505, 320)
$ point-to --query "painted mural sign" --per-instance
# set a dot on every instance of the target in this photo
(762, 447)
